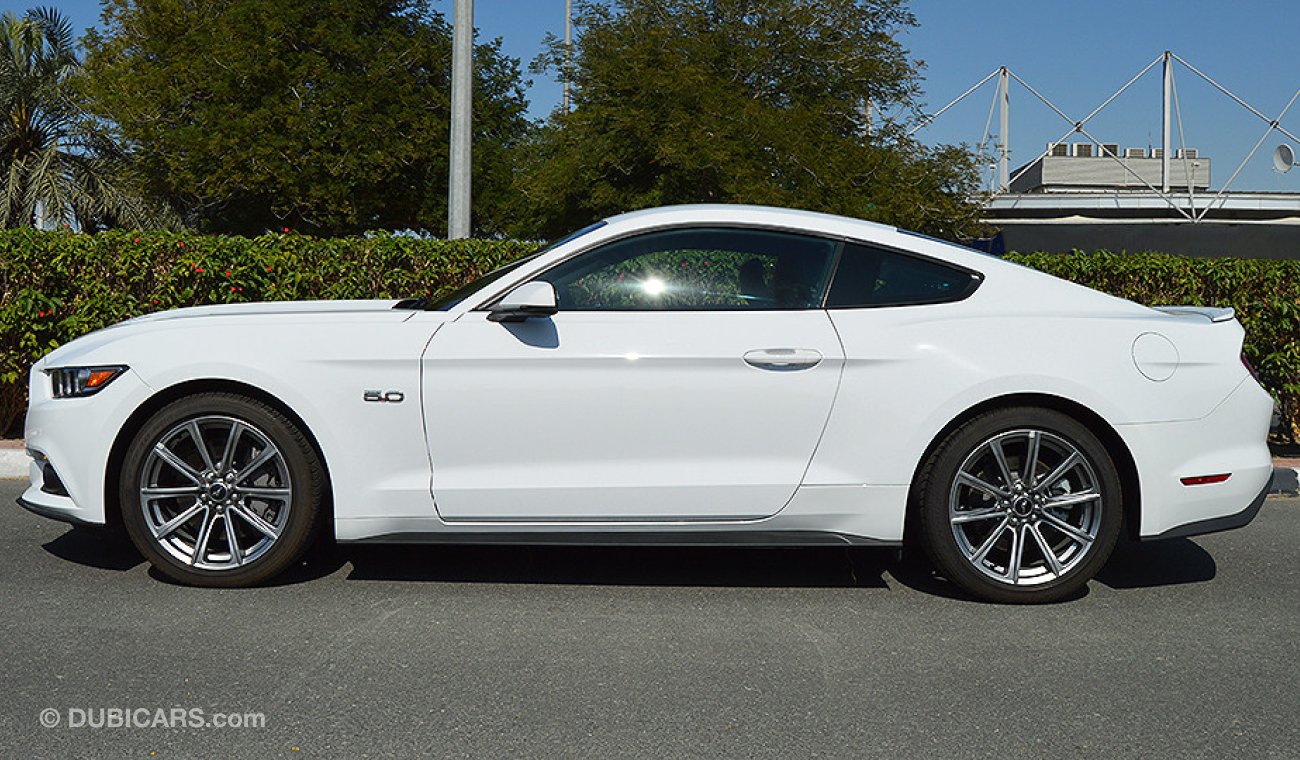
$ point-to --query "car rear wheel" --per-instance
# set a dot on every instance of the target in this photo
(219, 489)
(1020, 505)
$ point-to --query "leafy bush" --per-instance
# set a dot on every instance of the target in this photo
(60, 285)
(1265, 293)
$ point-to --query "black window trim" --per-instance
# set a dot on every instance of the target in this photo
(977, 278)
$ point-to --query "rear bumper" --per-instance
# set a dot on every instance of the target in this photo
(1232, 439)
(1216, 524)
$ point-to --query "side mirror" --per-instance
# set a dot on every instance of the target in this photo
(532, 299)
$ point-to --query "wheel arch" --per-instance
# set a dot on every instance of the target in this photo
(137, 419)
(1098, 426)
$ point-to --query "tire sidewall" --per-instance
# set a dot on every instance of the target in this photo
(937, 537)
(300, 460)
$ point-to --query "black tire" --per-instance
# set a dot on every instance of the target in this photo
(293, 466)
(994, 522)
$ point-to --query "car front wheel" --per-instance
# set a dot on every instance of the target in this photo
(219, 489)
(1020, 505)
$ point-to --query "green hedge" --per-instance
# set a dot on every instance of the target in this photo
(59, 285)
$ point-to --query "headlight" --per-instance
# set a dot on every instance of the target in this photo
(70, 382)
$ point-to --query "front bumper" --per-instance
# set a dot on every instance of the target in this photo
(75, 435)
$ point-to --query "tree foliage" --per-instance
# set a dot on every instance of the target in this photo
(759, 101)
(57, 164)
(329, 116)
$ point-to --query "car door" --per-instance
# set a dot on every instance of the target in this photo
(687, 375)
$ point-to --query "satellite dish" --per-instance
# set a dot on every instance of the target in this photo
(1283, 159)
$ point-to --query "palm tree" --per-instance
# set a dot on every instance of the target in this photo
(58, 165)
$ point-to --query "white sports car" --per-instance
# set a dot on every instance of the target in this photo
(694, 374)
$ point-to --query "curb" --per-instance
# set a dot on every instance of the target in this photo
(1285, 480)
(13, 463)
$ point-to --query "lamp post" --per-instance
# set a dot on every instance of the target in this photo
(462, 84)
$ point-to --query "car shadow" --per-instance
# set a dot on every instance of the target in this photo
(95, 547)
(788, 567)
(1133, 564)
(1148, 564)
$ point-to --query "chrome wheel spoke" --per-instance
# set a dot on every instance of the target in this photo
(1031, 458)
(1017, 554)
(160, 492)
(975, 515)
(1068, 529)
(201, 543)
(168, 456)
(1065, 466)
(169, 527)
(257, 521)
(1001, 456)
(980, 485)
(231, 541)
(1048, 554)
(267, 454)
(279, 494)
(236, 429)
(1071, 499)
(197, 435)
(992, 539)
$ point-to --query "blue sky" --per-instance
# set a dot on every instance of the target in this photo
(1074, 53)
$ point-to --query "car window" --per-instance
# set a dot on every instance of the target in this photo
(697, 269)
(868, 276)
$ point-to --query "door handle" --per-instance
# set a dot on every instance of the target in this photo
(781, 359)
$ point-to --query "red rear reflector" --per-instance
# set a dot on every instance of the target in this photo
(1201, 480)
(1249, 367)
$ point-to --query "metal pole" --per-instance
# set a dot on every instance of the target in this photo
(462, 84)
(568, 48)
(1004, 123)
(1164, 152)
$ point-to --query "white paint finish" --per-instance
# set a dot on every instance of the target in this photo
(626, 415)
(657, 418)
(1155, 356)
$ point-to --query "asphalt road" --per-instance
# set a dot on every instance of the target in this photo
(1187, 648)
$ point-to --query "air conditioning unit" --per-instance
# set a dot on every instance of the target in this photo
(1109, 149)
(1186, 153)
(1135, 153)
(1082, 150)
(1058, 149)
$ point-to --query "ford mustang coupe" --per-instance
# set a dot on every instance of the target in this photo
(693, 374)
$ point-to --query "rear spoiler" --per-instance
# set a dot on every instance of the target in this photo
(1209, 312)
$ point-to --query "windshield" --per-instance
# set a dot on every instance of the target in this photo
(450, 300)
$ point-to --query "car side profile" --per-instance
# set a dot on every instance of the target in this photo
(691, 374)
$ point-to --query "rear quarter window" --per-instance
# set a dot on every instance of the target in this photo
(873, 277)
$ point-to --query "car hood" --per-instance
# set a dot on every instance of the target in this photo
(266, 308)
(235, 316)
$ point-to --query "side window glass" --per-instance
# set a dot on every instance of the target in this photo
(700, 269)
(869, 276)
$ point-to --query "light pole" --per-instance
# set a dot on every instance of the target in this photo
(568, 49)
(462, 86)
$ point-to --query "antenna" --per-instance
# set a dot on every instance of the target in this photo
(1283, 159)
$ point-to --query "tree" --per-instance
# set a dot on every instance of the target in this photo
(329, 116)
(758, 101)
(58, 164)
